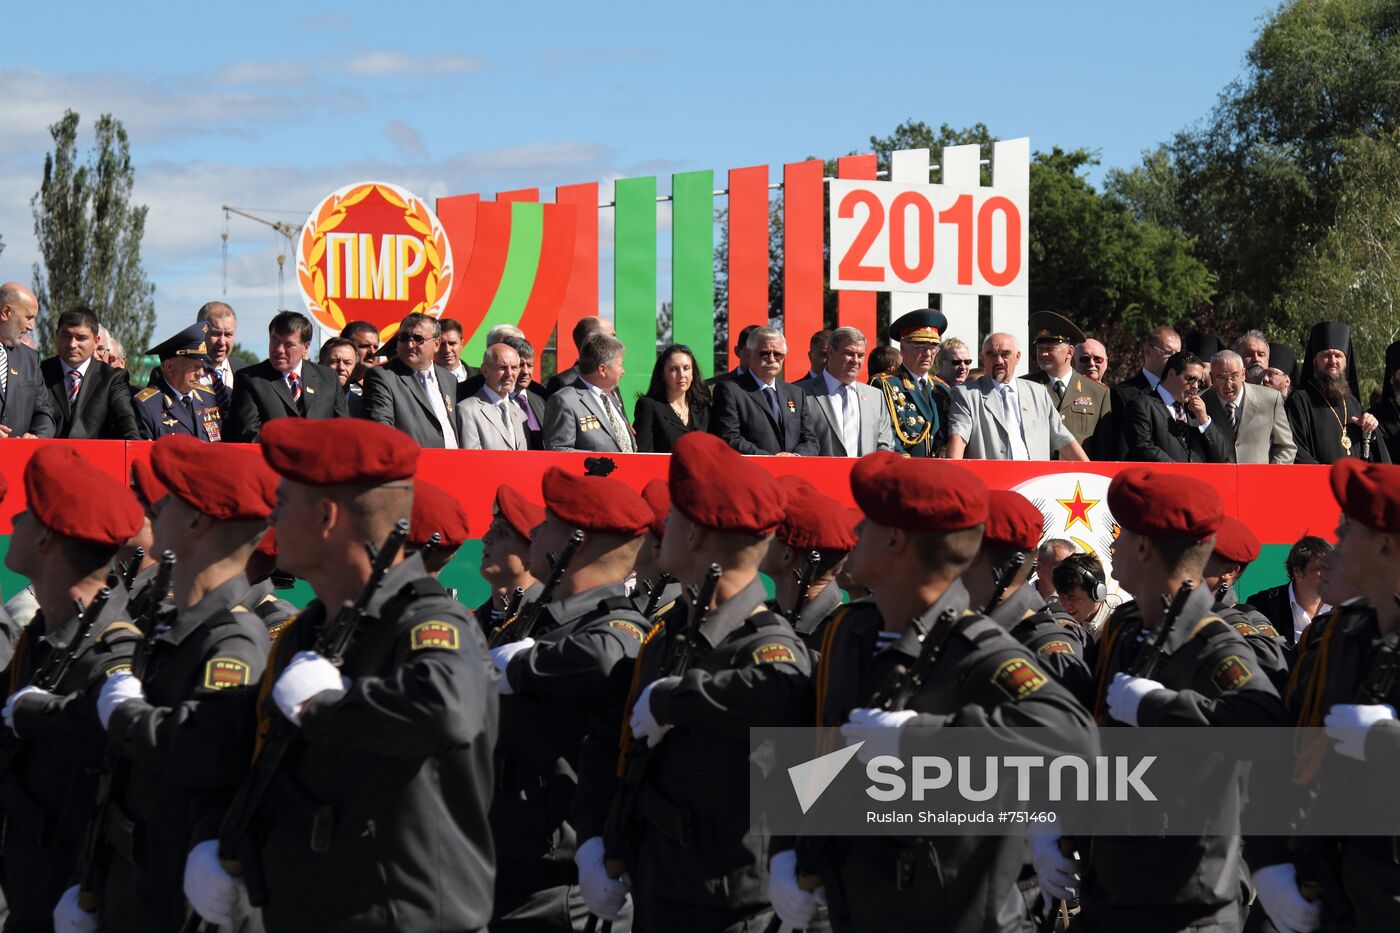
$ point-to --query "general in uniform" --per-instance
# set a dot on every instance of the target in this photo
(176, 402)
(916, 399)
(1083, 403)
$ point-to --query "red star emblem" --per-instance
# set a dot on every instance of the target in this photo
(1078, 508)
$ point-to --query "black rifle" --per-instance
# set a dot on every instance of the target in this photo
(516, 599)
(92, 860)
(433, 544)
(899, 688)
(681, 646)
(332, 642)
(1154, 647)
(805, 576)
(654, 597)
(132, 568)
(1003, 579)
(524, 623)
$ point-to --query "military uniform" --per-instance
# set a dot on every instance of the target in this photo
(1083, 403)
(564, 686)
(1270, 650)
(49, 787)
(492, 613)
(159, 412)
(1058, 642)
(812, 620)
(920, 414)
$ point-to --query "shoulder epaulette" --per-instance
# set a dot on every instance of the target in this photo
(980, 630)
(1211, 627)
(120, 628)
(147, 393)
(201, 389)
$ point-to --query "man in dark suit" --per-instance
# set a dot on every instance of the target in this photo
(218, 377)
(741, 352)
(1171, 425)
(528, 395)
(412, 393)
(759, 413)
(286, 384)
(1161, 343)
(587, 414)
(1292, 606)
(449, 355)
(89, 398)
(24, 400)
(584, 328)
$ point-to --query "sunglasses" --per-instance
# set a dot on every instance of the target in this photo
(771, 355)
(960, 362)
(414, 339)
(1086, 360)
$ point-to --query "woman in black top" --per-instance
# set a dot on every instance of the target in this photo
(676, 403)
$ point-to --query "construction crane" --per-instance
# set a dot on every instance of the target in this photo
(287, 244)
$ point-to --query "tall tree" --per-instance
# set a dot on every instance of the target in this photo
(89, 235)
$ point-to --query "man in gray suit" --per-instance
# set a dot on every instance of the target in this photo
(413, 394)
(25, 410)
(490, 420)
(999, 417)
(586, 414)
(857, 422)
(1252, 416)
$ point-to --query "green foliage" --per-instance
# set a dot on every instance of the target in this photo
(89, 235)
(244, 355)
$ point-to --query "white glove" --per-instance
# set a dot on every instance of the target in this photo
(1348, 723)
(604, 896)
(119, 688)
(501, 658)
(309, 674)
(794, 906)
(13, 701)
(643, 722)
(878, 729)
(1056, 873)
(211, 890)
(68, 917)
(1125, 696)
(1278, 892)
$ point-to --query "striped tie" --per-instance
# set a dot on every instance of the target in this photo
(221, 393)
(75, 382)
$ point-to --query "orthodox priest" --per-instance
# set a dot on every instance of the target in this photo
(1326, 416)
(1386, 408)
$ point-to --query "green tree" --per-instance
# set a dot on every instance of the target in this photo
(89, 235)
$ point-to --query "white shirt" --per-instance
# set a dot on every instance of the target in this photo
(1011, 408)
(82, 368)
(849, 413)
(287, 377)
(1170, 402)
(1300, 615)
(226, 370)
(449, 436)
(460, 372)
(1062, 378)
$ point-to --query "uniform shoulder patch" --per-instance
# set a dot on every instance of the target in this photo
(631, 628)
(1268, 631)
(118, 667)
(146, 393)
(774, 653)
(222, 673)
(1231, 673)
(1018, 678)
(440, 635)
(1055, 646)
(1244, 628)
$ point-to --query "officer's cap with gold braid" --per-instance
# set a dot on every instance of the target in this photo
(1013, 524)
(105, 513)
(148, 489)
(1368, 493)
(338, 451)
(595, 503)
(920, 327)
(1235, 542)
(813, 520)
(519, 512)
(714, 486)
(191, 343)
(1157, 504)
(923, 496)
(436, 510)
(658, 495)
(227, 482)
(1049, 327)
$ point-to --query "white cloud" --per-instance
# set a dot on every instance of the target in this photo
(406, 139)
(399, 64)
(256, 72)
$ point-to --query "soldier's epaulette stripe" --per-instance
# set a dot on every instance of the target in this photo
(200, 388)
(147, 393)
(119, 628)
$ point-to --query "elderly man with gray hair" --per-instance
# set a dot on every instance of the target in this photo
(1253, 417)
(757, 412)
(587, 413)
(854, 419)
(490, 420)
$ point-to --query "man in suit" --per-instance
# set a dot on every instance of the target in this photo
(413, 394)
(741, 352)
(175, 402)
(1252, 416)
(449, 355)
(1292, 606)
(528, 394)
(218, 378)
(584, 328)
(818, 349)
(89, 398)
(1161, 343)
(490, 421)
(286, 384)
(1082, 402)
(1172, 425)
(587, 414)
(857, 420)
(999, 417)
(916, 399)
(24, 400)
(341, 357)
(759, 413)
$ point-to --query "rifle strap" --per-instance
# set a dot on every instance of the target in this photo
(634, 689)
(17, 659)
(1105, 656)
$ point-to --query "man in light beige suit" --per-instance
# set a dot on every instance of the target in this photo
(854, 416)
(999, 417)
(490, 421)
(1253, 416)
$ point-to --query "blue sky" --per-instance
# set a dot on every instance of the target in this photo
(272, 106)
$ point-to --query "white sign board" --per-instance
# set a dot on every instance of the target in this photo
(893, 237)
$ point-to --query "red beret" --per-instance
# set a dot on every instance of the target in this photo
(1013, 524)
(919, 495)
(1368, 493)
(267, 547)
(436, 510)
(519, 512)
(227, 482)
(714, 486)
(1154, 503)
(813, 521)
(148, 489)
(658, 496)
(73, 498)
(1235, 542)
(338, 451)
(596, 503)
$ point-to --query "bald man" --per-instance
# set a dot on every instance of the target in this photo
(490, 420)
(999, 417)
(1091, 360)
(24, 399)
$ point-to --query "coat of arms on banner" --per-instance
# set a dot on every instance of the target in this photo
(1075, 506)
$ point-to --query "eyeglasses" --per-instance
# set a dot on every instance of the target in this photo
(1086, 360)
(414, 339)
(771, 355)
(959, 363)
(1192, 380)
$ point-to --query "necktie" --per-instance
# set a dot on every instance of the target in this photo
(772, 396)
(1180, 411)
(75, 382)
(439, 408)
(1012, 410)
(850, 423)
(507, 423)
(221, 394)
(188, 402)
(618, 426)
(1235, 415)
(524, 404)
(294, 381)
(1059, 390)
(4, 370)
